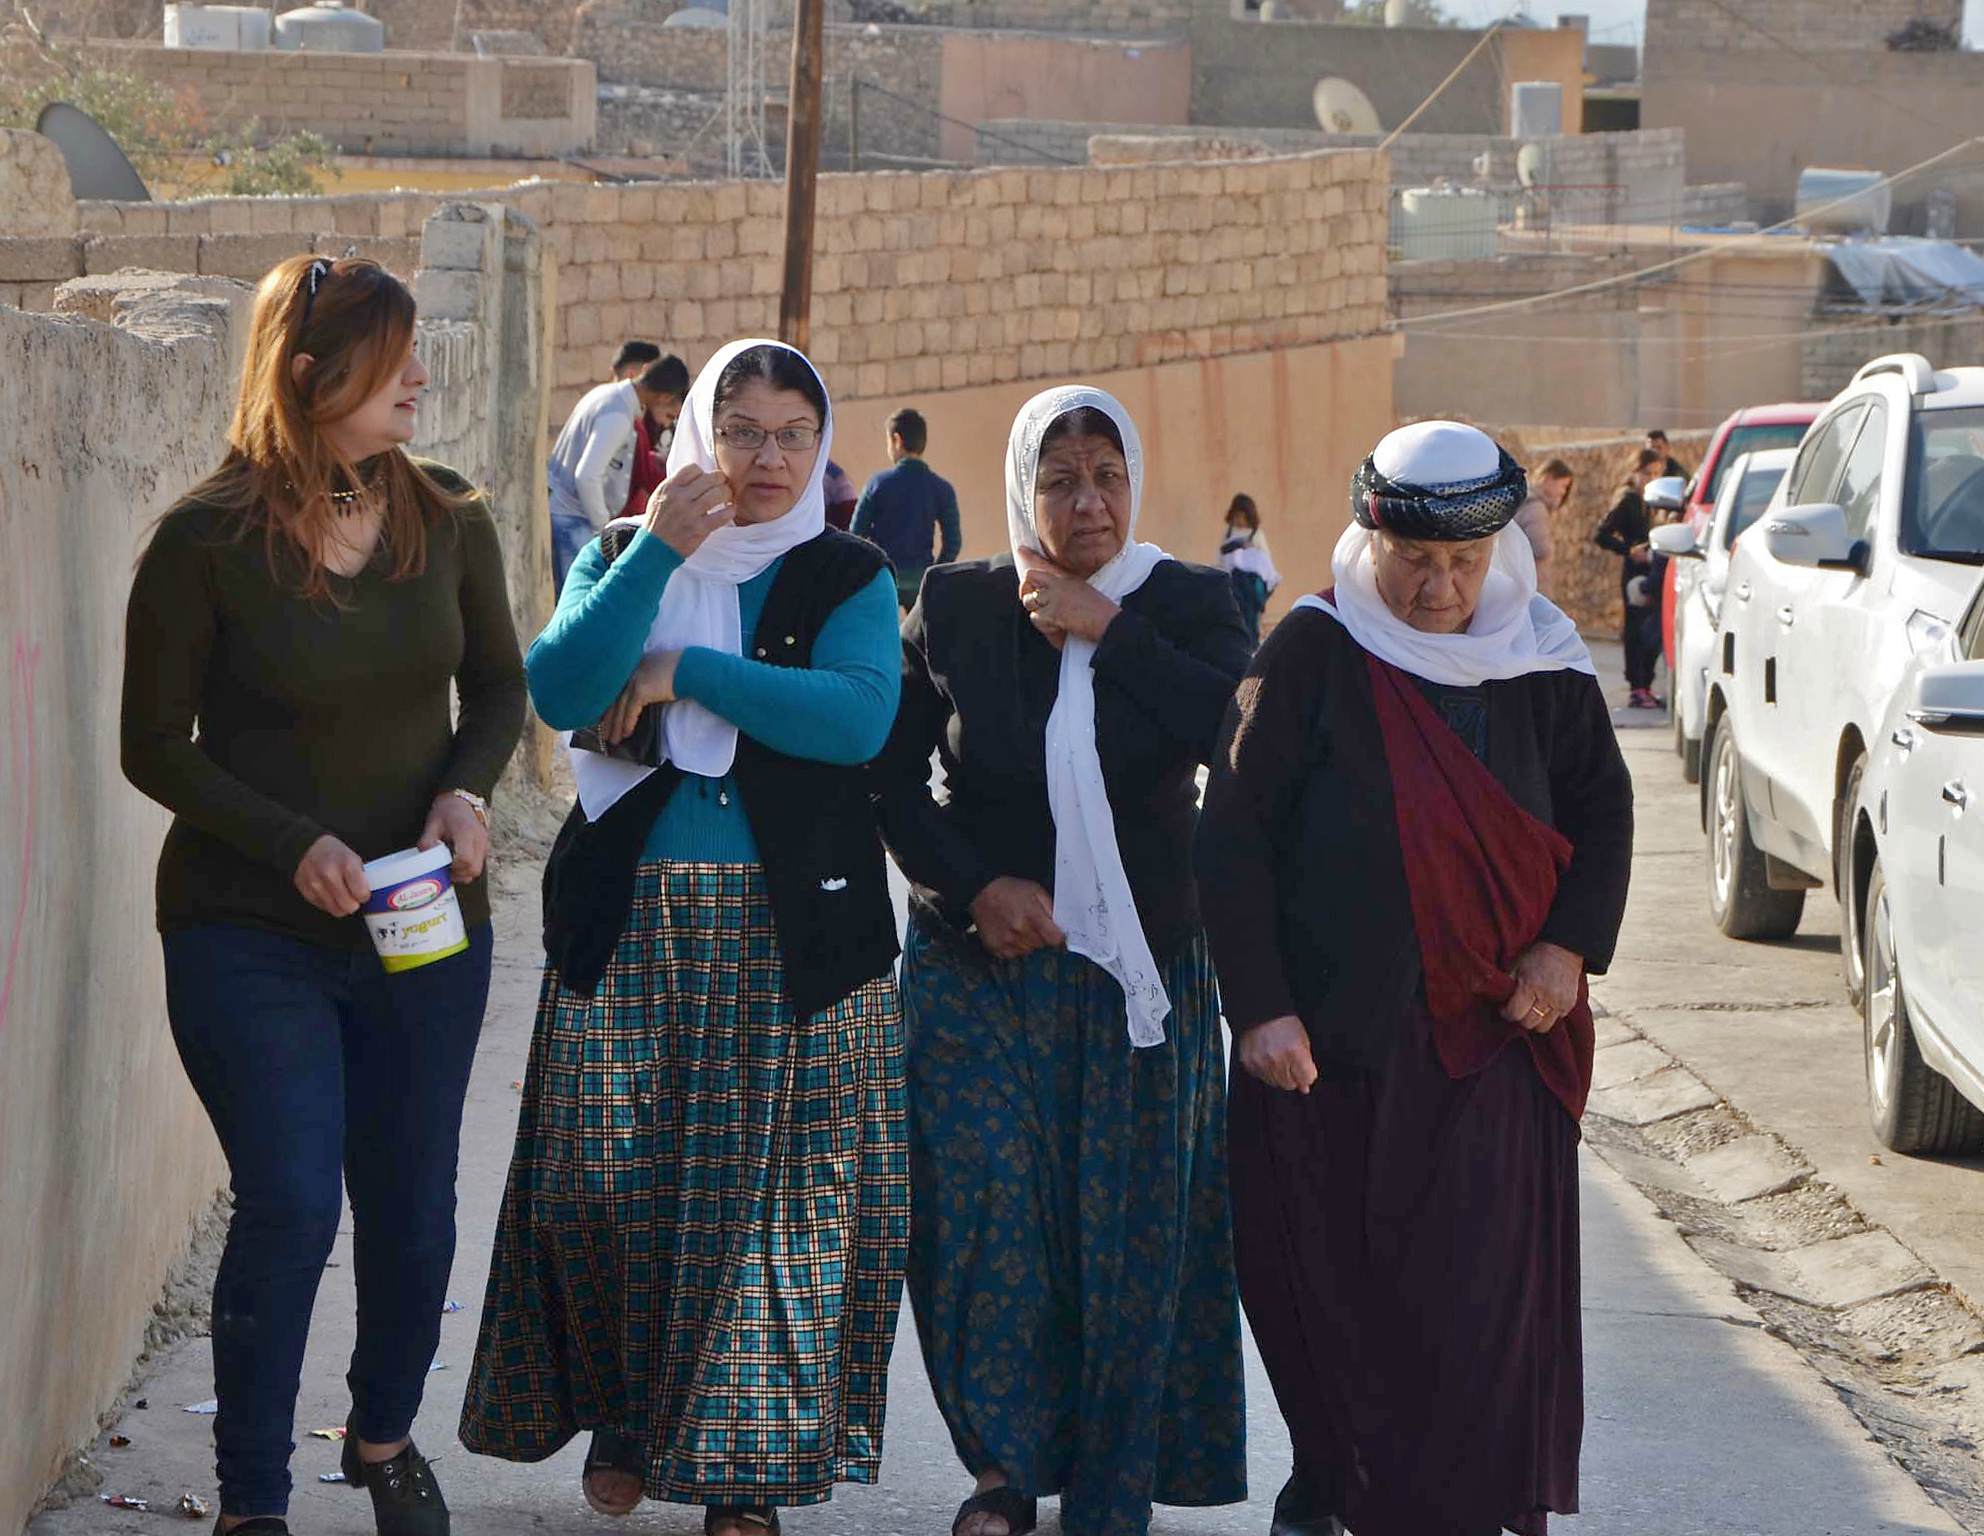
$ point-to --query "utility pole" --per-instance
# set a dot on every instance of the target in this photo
(802, 171)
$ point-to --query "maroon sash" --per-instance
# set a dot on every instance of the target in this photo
(1482, 873)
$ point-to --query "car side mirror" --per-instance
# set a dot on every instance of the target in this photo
(1813, 536)
(1949, 699)
(1676, 541)
(1667, 494)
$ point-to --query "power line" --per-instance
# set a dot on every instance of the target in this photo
(1687, 258)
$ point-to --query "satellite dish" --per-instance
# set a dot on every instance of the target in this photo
(98, 169)
(1529, 164)
(1342, 108)
(697, 16)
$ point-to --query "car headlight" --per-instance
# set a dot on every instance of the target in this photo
(1926, 632)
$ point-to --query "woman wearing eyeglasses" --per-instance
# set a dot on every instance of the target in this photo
(701, 1247)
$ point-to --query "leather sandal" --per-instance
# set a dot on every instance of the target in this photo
(762, 1516)
(612, 1451)
(1007, 1503)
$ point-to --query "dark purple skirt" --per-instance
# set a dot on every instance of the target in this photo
(1407, 1248)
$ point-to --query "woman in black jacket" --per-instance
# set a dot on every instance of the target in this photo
(1070, 1258)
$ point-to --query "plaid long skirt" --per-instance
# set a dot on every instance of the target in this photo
(702, 1240)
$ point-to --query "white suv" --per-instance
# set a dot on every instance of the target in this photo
(1867, 555)
(1700, 581)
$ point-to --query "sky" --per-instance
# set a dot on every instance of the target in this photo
(1620, 21)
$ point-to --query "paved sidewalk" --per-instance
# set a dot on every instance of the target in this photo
(1698, 1423)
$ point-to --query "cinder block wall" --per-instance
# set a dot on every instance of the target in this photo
(1817, 26)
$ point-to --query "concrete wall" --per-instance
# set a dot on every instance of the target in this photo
(105, 1155)
(1761, 117)
(1840, 343)
(1753, 26)
(1249, 73)
(381, 103)
(1289, 427)
(1726, 331)
(988, 75)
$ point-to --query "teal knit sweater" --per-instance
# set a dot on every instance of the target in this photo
(838, 710)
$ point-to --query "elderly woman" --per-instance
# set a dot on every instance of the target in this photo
(1070, 1257)
(1415, 847)
(700, 1251)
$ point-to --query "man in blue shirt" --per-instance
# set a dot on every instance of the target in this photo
(905, 506)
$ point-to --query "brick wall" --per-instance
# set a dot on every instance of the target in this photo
(382, 103)
(1816, 26)
(1130, 18)
(930, 281)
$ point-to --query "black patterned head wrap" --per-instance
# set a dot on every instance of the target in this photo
(1431, 505)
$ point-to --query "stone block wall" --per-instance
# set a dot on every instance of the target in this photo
(1840, 343)
(1817, 26)
(1585, 582)
(922, 281)
(382, 103)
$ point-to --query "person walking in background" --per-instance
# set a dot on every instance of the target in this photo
(633, 359)
(905, 507)
(1549, 489)
(592, 463)
(1656, 441)
(1624, 533)
(700, 1249)
(1416, 845)
(300, 627)
(654, 433)
(842, 498)
(1071, 1259)
(1243, 554)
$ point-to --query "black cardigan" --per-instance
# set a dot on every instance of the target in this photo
(1298, 852)
(814, 823)
(978, 684)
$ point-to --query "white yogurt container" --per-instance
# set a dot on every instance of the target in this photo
(413, 915)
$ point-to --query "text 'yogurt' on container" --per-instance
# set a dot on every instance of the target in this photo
(413, 915)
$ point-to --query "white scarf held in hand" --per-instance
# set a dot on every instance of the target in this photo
(1093, 905)
(699, 606)
(1514, 631)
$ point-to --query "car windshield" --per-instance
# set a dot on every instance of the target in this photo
(1752, 496)
(1752, 439)
(1942, 516)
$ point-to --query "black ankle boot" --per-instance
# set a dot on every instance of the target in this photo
(406, 1501)
(1296, 1512)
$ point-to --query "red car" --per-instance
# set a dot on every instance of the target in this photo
(1752, 428)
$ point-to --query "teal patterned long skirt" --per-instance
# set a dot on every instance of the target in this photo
(702, 1240)
(1071, 1258)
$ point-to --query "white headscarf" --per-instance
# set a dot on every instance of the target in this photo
(1093, 904)
(699, 605)
(1514, 631)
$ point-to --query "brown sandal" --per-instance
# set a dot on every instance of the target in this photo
(612, 1451)
(762, 1516)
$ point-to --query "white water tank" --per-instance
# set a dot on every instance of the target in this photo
(1536, 109)
(1834, 202)
(1445, 224)
(240, 28)
(330, 26)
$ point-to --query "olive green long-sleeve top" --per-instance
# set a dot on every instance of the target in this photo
(263, 719)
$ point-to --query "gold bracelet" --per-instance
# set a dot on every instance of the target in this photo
(475, 803)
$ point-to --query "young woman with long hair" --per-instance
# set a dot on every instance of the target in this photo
(296, 628)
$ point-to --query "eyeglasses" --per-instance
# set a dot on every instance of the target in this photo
(749, 439)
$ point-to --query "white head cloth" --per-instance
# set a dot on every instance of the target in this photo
(1092, 901)
(1514, 631)
(699, 605)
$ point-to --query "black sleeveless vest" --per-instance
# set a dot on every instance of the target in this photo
(814, 822)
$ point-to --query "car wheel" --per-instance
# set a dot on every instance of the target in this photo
(1914, 1108)
(1852, 941)
(1740, 898)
